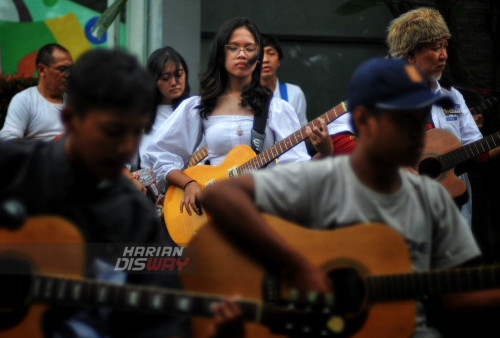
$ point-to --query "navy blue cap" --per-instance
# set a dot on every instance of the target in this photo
(391, 84)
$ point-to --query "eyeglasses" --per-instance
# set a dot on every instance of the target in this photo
(235, 50)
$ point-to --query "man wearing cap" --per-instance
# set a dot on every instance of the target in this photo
(269, 78)
(390, 102)
(421, 37)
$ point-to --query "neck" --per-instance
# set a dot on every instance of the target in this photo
(84, 175)
(51, 96)
(375, 174)
(236, 85)
(269, 82)
(166, 101)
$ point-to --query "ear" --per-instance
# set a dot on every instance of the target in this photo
(40, 68)
(410, 57)
(361, 118)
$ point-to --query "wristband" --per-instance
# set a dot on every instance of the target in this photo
(185, 185)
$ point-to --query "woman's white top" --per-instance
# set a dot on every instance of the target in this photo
(176, 139)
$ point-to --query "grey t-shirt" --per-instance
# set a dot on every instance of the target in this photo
(327, 194)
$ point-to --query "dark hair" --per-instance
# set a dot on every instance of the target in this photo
(156, 65)
(44, 55)
(214, 81)
(110, 79)
(271, 40)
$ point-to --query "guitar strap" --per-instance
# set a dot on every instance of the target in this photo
(283, 90)
(259, 129)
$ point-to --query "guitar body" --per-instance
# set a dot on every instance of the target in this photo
(51, 245)
(181, 226)
(437, 143)
(221, 267)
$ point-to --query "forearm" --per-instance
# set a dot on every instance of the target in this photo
(231, 205)
(178, 179)
(494, 153)
(471, 301)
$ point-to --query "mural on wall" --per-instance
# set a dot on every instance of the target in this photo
(26, 25)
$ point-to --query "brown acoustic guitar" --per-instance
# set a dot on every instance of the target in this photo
(41, 264)
(241, 159)
(443, 152)
(369, 264)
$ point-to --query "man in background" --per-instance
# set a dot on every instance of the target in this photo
(35, 112)
(269, 78)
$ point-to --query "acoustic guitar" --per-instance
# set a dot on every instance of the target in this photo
(443, 152)
(41, 264)
(369, 264)
(239, 160)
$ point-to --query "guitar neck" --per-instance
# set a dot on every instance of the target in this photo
(484, 106)
(417, 285)
(85, 292)
(468, 152)
(291, 141)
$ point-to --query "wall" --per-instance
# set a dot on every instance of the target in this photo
(321, 48)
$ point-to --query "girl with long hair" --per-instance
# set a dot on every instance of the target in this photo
(223, 115)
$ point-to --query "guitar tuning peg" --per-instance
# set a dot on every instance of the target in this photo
(329, 299)
(312, 296)
(294, 295)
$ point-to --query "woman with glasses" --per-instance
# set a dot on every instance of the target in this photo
(223, 115)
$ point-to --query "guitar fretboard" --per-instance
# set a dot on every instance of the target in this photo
(469, 151)
(84, 292)
(418, 285)
(271, 153)
(484, 106)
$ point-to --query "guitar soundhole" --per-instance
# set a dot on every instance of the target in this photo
(15, 285)
(429, 167)
(349, 290)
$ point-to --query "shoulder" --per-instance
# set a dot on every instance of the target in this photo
(190, 103)
(279, 105)
(22, 148)
(187, 109)
(455, 92)
(294, 88)
(27, 94)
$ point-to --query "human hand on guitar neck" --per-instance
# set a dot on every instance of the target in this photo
(320, 139)
(228, 320)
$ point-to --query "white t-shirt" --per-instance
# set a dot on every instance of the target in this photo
(296, 98)
(30, 115)
(327, 194)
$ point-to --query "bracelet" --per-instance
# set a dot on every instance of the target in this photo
(185, 185)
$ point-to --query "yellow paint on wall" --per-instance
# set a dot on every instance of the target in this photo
(69, 33)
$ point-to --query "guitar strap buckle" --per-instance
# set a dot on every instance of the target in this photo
(257, 142)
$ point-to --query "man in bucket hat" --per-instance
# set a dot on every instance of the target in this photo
(390, 102)
(421, 36)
